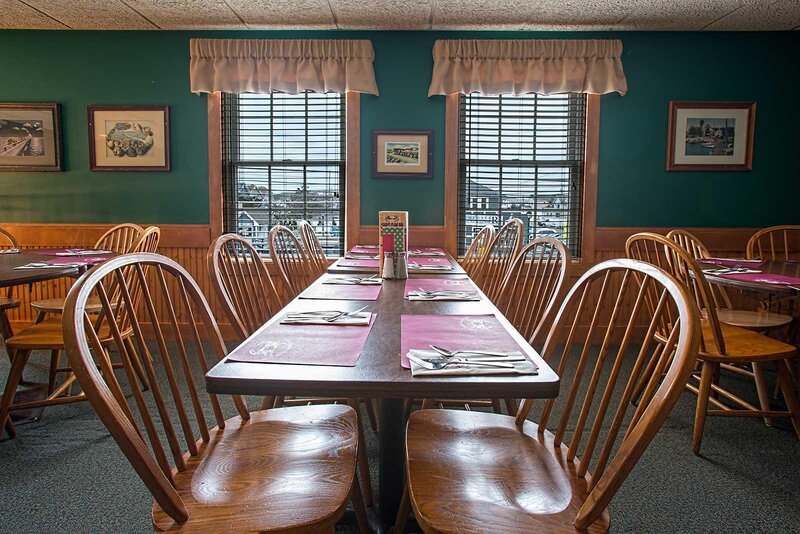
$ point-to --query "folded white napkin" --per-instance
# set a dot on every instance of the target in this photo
(521, 367)
(444, 295)
(424, 253)
(726, 270)
(353, 281)
(77, 252)
(43, 265)
(352, 319)
(9, 251)
(419, 267)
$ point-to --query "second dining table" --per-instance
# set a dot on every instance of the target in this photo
(378, 373)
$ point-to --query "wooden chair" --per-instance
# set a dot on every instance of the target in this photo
(476, 251)
(294, 264)
(48, 335)
(484, 472)
(776, 243)
(286, 470)
(120, 239)
(720, 343)
(501, 252)
(319, 262)
(8, 302)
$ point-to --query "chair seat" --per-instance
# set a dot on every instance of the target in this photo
(56, 306)
(758, 321)
(743, 346)
(284, 469)
(476, 472)
(48, 334)
(7, 303)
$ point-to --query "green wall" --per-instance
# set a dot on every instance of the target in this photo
(81, 68)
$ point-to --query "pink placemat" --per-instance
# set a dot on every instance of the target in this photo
(342, 292)
(305, 344)
(428, 261)
(359, 263)
(453, 332)
(54, 251)
(460, 283)
(83, 260)
(731, 262)
(765, 278)
(365, 249)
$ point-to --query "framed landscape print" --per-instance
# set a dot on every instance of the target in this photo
(402, 153)
(710, 136)
(129, 138)
(30, 137)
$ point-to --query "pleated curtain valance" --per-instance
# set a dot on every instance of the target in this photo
(522, 66)
(285, 65)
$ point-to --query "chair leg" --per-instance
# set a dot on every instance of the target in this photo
(267, 403)
(14, 377)
(761, 388)
(789, 394)
(706, 377)
(358, 507)
(363, 463)
(55, 359)
(496, 406)
(279, 402)
(373, 420)
(403, 511)
(511, 406)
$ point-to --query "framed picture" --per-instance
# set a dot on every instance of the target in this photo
(129, 138)
(402, 153)
(710, 136)
(30, 137)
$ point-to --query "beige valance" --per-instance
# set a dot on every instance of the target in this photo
(521, 66)
(285, 65)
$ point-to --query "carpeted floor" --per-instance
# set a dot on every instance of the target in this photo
(65, 474)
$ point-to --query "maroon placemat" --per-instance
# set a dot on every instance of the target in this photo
(83, 260)
(305, 344)
(454, 283)
(764, 278)
(453, 332)
(438, 260)
(342, 292)
(365, 249)
(731, 262)
(358, 263)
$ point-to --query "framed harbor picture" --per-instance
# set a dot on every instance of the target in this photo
(710, 136)
(402, 153)
(129, 138)
(30, 137)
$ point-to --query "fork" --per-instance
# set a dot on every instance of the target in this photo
(436, 364)
(452, 353)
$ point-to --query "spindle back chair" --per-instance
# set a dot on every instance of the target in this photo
(215, 485)
(121, 238)
(471, 262)
(501, 252)
(563, 479)
(775, 243)
(293, 261)
(318, 259)
(698, 250)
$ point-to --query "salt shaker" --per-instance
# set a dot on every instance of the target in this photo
(388, 265)
(401, 266)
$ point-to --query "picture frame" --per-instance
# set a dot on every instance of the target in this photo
(129, 138)
(710, 136)
(402, 153)
(30, 137)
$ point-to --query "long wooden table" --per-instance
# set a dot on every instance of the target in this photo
(378, 374)
(787, 268)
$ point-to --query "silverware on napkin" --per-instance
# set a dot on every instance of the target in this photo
(440, 363)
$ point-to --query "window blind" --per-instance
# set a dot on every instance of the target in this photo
(283, 161)
(522, 156)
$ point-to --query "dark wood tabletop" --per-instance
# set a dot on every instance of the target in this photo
(786, 268)
(337, 268)
(15, 277)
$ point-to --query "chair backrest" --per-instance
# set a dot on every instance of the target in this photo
(529, 296)
(6, 236)
(777, 243)
(606, 373)
(477, 249)
(121, 238)
(148, 241)
(668, 255)
(692, 244)
(293, 262)
(319, 262)
(242, 283)
(503, 249)
(172, 407)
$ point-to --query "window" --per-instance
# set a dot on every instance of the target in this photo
(283, 161)
(523, 157)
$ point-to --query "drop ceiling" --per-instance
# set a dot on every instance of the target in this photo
(710, 15)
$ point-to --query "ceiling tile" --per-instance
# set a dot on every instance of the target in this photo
(187, 14)
(305, 14)
(481, 15)
(382, 14)
(578, 14)
(782, 15)
(15, 14)
(677, 14)
(93, 14)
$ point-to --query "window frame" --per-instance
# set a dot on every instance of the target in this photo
(589, 201)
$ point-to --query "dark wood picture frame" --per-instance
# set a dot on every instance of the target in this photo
(55, 110)
(673, 125)
(93, 165)
(377, 173)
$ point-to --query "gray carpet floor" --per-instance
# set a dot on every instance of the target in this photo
(65, 474)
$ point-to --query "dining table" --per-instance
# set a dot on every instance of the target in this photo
(774, 279)
(378, 373)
